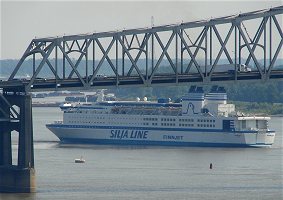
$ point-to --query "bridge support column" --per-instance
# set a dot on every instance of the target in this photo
(18, 178)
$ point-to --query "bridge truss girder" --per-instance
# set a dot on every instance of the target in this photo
(181, 46)
(7, 111)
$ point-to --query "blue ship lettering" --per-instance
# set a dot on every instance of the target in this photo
(128, 134)
(172, 137)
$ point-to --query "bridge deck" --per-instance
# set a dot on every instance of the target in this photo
(190, 58)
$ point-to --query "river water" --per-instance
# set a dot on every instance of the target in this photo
(135, 172)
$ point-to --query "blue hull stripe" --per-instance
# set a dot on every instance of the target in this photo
(153, 143)
(146, 128)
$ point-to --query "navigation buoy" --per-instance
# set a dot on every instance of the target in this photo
(210, 166)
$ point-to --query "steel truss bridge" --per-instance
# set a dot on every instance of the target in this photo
(171, 54)
(199, 51)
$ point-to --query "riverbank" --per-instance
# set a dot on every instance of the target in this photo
(274, 109)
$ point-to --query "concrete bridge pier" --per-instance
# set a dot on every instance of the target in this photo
(19, 178)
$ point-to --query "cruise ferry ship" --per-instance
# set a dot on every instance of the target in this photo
(198, 120)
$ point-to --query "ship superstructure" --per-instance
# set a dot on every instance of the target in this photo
(199, 120)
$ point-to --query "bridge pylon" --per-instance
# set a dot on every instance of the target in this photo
(16, 115)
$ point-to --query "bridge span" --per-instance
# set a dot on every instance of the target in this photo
(204, 51)
(199, 51)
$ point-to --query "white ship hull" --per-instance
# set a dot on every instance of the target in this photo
(156, 136)
(199, 120)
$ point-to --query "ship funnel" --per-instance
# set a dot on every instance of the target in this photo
(215, 97)
(193, 102)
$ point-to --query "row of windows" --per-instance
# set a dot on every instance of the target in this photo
(206, 125)
(146, 119)
(150, 119)
(167, 119)
(186, 120)
(86, 122)
(186, 125)
(206, 120)
(146, 124)
(102, 122)
(86, 117)
(95, 118)
(153, 124)
(167, 124)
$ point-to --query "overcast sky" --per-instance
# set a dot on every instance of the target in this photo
(21, 21)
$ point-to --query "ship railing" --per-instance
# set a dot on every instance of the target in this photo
(58, 122)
